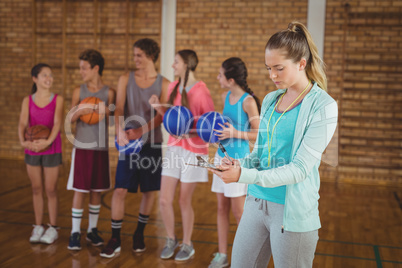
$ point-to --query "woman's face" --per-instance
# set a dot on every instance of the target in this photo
(44, 79)
(282, 71)
(179, 66)
(222, 78)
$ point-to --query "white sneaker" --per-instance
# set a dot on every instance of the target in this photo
(37, 233)
(50, 235)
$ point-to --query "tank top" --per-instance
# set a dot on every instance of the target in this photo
(44, 116)
(235, 114)
(138, 111)
(281, 150)
(200, 102)
(93, 137)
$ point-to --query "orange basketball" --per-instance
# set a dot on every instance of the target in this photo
(37, 132)
(95, 116)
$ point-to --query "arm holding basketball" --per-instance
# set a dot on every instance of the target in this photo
(205, 104)
(251, 109)
(156, 121)
(227, 129)
(119, 112)
(160, 104)
(41, 144)
(23, 124)
(78, 109)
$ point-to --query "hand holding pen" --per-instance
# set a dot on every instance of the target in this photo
(226, 153)
(230, 168)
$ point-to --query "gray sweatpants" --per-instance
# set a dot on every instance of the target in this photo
(259, 236)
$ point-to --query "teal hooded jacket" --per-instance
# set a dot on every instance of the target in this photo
(314, 129)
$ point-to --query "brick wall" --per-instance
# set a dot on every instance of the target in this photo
(117, 28)
(216, 30)
(362, 52)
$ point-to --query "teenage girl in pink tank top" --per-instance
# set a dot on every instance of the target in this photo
(196, 96)
(42, 108)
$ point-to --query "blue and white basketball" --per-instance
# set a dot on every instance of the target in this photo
(178, 120)
(207, 124)
(133, 147)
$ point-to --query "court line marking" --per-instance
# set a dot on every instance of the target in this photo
(215, 243)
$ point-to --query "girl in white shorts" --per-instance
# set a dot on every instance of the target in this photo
(193, 94)
(242, 112)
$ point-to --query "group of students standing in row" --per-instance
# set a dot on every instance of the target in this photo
(273, 192)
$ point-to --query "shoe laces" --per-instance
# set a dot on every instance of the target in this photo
(76, 236)
(37, 229)
(186, 248)
(96, 232)
(171, 242)
(112, 243)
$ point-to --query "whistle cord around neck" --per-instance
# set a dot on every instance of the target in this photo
(273, 129)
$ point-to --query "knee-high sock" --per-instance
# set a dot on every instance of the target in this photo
(76, 217)
(93, 216)
(142, 222)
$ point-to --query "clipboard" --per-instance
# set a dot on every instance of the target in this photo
(204, 164)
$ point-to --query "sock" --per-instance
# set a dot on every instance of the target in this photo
(116, 227)
(93, 216)
(77, 217)
(142, 221)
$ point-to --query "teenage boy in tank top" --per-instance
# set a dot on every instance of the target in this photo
(134, 119)
(89, 171)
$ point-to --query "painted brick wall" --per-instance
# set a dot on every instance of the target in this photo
(216, 30)
(18, 55)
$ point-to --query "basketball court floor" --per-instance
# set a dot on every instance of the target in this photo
(361, 227)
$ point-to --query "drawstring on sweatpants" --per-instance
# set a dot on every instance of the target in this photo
(263, 205)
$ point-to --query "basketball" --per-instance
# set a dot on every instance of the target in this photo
(178, 120)
(206, 125)
(133, 147)
(37, 132)
(95, 116)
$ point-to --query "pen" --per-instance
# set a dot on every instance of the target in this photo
(224, 151)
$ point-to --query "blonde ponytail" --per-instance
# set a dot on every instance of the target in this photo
(296, 40)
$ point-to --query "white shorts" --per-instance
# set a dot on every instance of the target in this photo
(233, 189)
(174, 165)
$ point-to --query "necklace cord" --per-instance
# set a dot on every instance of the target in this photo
(273, 129)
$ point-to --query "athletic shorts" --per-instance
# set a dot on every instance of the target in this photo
(174, 165)
(45, 160)
(143, 169)
(233, 189)
(89, 171)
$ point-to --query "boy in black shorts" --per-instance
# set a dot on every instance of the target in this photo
(135, 118)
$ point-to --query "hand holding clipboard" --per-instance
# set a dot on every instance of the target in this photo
(204, 164)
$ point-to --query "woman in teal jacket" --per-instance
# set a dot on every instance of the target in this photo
(297, 122)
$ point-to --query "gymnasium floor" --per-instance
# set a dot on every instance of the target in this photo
(362, 227)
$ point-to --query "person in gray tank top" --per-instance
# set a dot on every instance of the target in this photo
(89, 171)
(134, 119)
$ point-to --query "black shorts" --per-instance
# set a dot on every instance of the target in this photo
(142, 169)
(45, 160)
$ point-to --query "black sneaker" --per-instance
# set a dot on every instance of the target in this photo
(74, 242)
(138, 243)
(111, 249)
(94, 238)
